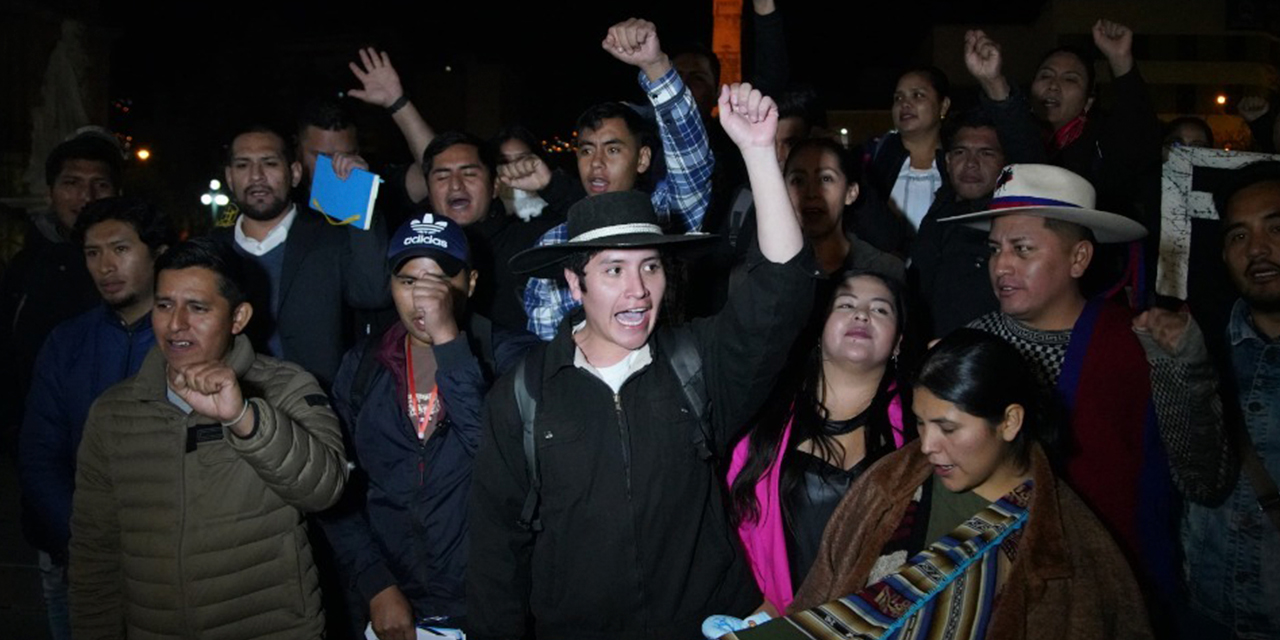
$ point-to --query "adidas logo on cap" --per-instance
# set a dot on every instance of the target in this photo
(428, 225)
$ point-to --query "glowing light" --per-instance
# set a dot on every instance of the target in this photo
(215, 185)
(1222, 98)
(143, 154)
(844, 131)
(206, 199)
(221, 200)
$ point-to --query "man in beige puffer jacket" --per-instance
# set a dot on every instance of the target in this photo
(194, 476)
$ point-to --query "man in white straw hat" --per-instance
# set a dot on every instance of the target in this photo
(624, 533)
(1107, 367)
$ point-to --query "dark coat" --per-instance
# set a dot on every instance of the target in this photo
(44, 284)
(81, 359)
(409, 527)
(326, 270)
(635, 540)
(948, 272)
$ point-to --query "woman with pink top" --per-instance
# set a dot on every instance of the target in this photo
(824, 427)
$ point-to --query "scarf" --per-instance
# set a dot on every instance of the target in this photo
(946, 591)
(1116, 460)
(1067, 133)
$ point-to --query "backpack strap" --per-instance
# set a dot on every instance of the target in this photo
(687, 364)
(742, 201)
(527, 403)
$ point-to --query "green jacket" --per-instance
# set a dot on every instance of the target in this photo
(181, 529)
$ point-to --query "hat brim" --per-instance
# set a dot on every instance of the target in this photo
(544, 261)
(1106, 227)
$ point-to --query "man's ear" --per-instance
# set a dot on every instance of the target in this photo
(575, 284)
(1081, 256)
(471, 282)
(240, 317)
(946, 106)
(295, 168)
(646, 156)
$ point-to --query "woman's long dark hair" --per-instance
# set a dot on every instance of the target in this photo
(802, 385)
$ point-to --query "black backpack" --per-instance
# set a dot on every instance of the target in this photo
(686, 362)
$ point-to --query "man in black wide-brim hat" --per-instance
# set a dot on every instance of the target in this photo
(624, 533)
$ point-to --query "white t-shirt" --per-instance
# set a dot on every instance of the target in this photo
(913, 191)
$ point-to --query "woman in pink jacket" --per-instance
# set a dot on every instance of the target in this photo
(824, 427)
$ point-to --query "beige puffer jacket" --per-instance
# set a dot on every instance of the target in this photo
(180, 529)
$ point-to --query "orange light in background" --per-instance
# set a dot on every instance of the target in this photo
(143, 154)
(1222, 98)
(726, 38)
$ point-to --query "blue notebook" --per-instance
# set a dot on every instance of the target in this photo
(347, 201)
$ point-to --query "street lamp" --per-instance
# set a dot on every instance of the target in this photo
(215, 198)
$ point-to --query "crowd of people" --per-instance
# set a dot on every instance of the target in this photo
(735, 379)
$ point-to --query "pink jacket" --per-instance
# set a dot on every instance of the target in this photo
(764, 539)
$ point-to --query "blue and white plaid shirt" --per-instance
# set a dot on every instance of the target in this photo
(682, 195)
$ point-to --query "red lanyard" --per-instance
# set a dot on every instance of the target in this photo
(424, 418)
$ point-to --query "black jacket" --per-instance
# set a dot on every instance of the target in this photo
(327, 269)
(635, 540)
(948, 272)
(408, 527)
(45, 284)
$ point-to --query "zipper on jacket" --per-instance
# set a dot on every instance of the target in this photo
(625, 435)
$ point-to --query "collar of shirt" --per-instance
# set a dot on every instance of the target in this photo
(635, 361)
(275, 237)
(1241, 328)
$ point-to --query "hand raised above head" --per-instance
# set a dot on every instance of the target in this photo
(983, 59)
(748, 116)
(635, 42)
(1115, 41)
(380, 84)
(982, 55)
(529, 173)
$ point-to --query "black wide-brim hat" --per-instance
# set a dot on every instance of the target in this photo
(619, 220)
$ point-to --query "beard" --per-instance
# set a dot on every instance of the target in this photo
(267, 211)
(1264, 302)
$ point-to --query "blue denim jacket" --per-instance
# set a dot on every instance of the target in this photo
(1233, 551)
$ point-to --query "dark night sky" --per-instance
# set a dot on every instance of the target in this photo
(194, 74)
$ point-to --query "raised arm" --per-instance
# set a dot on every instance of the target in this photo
(291, 439)
(683, 197)
(1115, 41)
(1184, 391)
(1007, 106)
(380, 86)
(751, 119)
